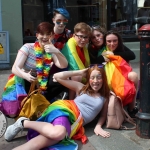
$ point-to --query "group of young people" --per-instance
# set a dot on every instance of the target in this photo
(61, 59)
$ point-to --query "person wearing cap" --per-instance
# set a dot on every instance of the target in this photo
(61, 36)
(61, 33)
(60, 20)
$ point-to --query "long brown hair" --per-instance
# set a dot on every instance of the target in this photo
(104, 90)
(120, 40)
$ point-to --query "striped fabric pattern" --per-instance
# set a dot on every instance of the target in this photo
(117, 76)
(69, 51)
(30, 63)
(69, 109)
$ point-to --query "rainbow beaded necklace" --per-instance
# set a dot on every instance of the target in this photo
(43, 61)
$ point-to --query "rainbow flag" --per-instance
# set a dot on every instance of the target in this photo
(12, 95)
(74, 62)
(117, 76)
(64, 108)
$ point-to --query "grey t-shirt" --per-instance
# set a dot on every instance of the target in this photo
(89, 106)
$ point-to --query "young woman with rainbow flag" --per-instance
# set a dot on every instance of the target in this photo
(63, 120)
(106, 47)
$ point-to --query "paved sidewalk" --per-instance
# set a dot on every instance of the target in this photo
(119, 140)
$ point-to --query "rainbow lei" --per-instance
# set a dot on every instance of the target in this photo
(43, 61)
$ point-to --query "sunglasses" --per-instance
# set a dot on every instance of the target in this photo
(96, 27)
(98, 65)
(65, 21)
(81, 37)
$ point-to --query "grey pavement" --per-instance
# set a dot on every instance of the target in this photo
(119, 140)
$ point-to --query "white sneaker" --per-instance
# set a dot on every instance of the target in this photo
(14, 129)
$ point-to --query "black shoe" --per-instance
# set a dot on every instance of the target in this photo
(133, 112)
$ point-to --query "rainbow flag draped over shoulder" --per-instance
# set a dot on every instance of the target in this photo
(70, 52)
(69, 109)
(12, 95)
(117, 76)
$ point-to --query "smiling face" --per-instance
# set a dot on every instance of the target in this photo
(44, 33)
(97, 38)
(95, 80)
(81, 39)
(44, 38)
(112, 42)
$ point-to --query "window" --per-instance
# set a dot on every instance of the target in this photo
(127, 16)
(123, 13)
(89, 11)
(33, 14)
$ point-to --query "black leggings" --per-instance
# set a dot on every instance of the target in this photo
(53, 88)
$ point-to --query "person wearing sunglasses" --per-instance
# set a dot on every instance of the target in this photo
(64, 120)
(104, 43)
(61, 35)
(76, 52)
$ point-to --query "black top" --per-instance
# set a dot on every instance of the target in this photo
(126, 54)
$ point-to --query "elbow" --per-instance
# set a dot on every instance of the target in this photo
(55, 76)
(64, 65)
(13, 69)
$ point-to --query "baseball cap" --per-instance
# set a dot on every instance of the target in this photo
(63, 12)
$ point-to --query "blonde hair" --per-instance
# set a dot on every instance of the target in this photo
(83, 28)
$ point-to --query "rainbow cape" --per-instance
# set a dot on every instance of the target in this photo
(12, 96)
(117, 76)
(63, 108)
(74, 62)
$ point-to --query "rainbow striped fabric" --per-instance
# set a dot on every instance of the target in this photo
(70, 52)
(12, 96)
(117, 76)
(64, 108)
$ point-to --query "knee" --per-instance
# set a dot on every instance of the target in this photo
(132, 76)
(58, 133)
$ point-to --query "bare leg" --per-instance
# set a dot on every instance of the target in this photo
(55, 132)
(132, 76)
(37, 143)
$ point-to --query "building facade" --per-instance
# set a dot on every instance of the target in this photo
(21, 17)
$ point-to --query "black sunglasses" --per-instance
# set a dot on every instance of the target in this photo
(98, 65)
